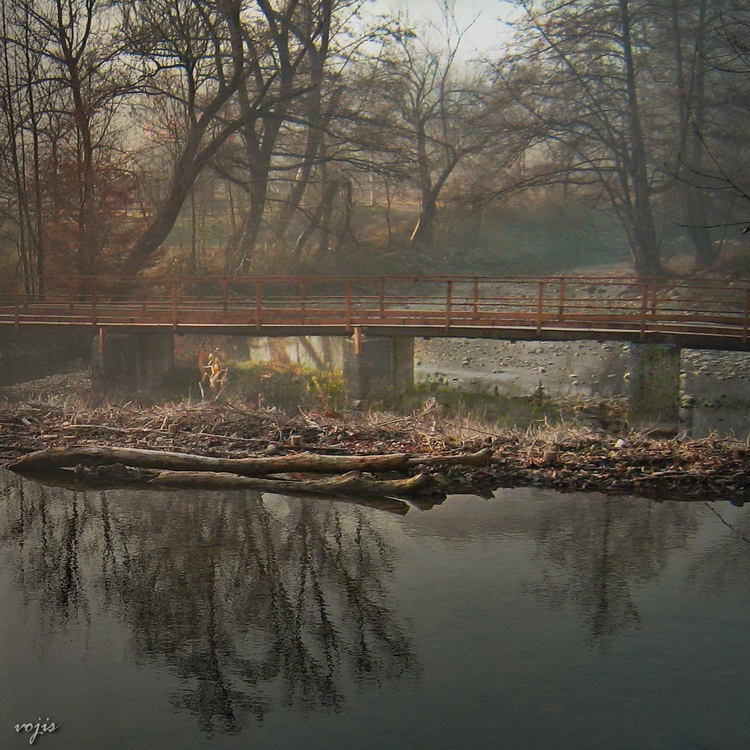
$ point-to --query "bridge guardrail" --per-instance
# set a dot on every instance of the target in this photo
(670, 307)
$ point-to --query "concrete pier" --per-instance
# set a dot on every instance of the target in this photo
(378, 366)
(654, 386)
(132, 360)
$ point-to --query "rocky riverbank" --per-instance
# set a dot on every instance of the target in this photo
(714, 385)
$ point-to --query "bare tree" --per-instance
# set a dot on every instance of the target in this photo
(63, 83)
(583, 77)
(296, 57)
(193, 53)
(422, 112)
(716, 163)
(234, 68)
(24, 101)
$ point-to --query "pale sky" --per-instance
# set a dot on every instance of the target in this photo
(487, 32)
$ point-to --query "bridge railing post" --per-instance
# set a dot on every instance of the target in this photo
(644, 309)
(382, 296)
(258, 303)
(475, 307)
(540, 308)
(448, 304)
(94, 301)
(303, 297)
(746, 316)
(348, 287)
(175, 302)
(225, 293)
(16, 306)
(654, 297)
(561, 299)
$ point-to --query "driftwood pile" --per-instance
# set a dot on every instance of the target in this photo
(411, 456)
(344, 475)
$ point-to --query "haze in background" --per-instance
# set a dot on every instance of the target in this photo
(487, 19)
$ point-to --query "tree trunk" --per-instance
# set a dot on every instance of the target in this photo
(423, 236)
(645, 247)
(316, 220)
(700, 234)
(696, 199)
(241, 245)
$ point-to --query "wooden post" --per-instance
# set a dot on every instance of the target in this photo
(746, 317)
(644, 309)
(225, 293)
(476, 298)
(358, 340)
(303, 297)
(382, 296)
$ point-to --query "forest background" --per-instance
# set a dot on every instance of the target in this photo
(340, 136)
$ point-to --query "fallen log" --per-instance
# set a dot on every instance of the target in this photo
(352, 484)
(253, 466)
(480, 458)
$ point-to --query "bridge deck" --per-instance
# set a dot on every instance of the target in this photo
(688, 312)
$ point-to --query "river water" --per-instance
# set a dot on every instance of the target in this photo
(531, 620)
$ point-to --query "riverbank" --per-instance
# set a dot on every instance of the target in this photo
(570, 457)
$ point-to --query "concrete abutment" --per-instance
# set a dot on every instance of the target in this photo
(139, 360)
(378, 366)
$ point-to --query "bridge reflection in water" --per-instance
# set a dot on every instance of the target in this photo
(237, 620)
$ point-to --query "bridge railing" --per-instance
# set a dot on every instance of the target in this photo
(437, 301)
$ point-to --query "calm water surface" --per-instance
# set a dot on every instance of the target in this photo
(532, 620)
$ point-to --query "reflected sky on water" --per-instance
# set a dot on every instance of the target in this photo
(234, 620)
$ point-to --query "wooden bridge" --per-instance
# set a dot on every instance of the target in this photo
(697, 313)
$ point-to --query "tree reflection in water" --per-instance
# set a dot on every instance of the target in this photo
(251, 601)
(600, 548)
(724, 565)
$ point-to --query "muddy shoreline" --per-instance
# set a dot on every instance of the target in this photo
(569, 458)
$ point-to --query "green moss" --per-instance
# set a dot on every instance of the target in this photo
(285, 385)
(511, 412)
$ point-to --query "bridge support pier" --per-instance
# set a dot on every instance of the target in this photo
(378, 366)
(132, 360)
(654, 386)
